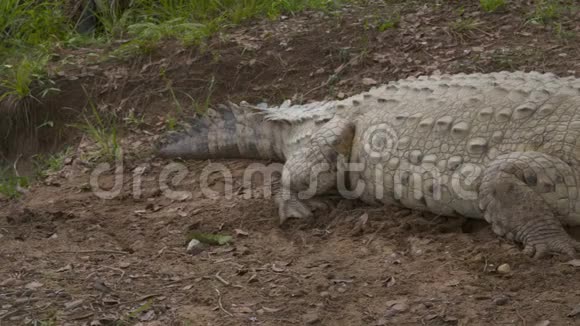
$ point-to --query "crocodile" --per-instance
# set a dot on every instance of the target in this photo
(504, 147)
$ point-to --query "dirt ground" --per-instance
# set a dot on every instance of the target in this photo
(68, 257)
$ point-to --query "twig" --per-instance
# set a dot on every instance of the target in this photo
(92, 252)
(221, 305)
(117, 270)
(143, 298)
(15, 165)
(221, 279)
(375, 233)
(11, 313)
(524, 323)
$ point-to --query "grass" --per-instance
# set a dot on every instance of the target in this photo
(563, 33)
(492, 5)
(389, 23)
(18, 80)
(11, 184)
(102, 129)
(44, 165)
(30, 30)
(383, 22)
(545, 12)
(464, 25)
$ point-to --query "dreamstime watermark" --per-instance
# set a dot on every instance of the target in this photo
(373, 174)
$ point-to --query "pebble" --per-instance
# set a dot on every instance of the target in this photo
(311, 318)
(193, 246)
(504, 269)
(73, 304)
(33, 285)
(500, 300)
(369, 81)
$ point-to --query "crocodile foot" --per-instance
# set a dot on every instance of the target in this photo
(517, 198)
(295, 208)
(561, 242)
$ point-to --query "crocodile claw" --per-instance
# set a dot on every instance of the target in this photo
(561, 244)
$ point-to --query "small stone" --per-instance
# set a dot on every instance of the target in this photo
(242, 250)
(381, 322)
(193, 247)
(8, 282)
(311, 318)
(341, 289)
(504, 269)
(148, 316)
(395, 307)
(240, 232)
(542, 323)
(400, 307)
(100, 285)
(324, 294)
(575, 312)
(369, 81)
(319, 71)
(73, 304)
(33, 285)
(500, 300)
(341, 95)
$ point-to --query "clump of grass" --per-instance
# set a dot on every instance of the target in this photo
(44, 165)
(463, 28)
(102, 130)
(192, 21)
(170, 123)
(384, 22)
(492, 5)
(389, 23)
(545, 11)
(28, 28)
(563, 33)
(11, 184)
(19, 79)
(464, 25)
(32, 26)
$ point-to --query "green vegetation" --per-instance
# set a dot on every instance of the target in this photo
(389, 23)
(31, 30)
(464, 25)
(492, 5)
(546, 11)
(101, 128)
(383, 22)
(563, 33)
(212, 239)
(46, 164)
(11, 184)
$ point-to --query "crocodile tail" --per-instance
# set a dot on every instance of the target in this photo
(230, 131)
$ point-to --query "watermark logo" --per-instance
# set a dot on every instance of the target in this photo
(380, 141)
(372, 174)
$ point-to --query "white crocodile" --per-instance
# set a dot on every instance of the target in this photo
(504, 147)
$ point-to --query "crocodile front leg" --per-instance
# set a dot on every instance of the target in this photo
(312, 170)
(524, 195)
